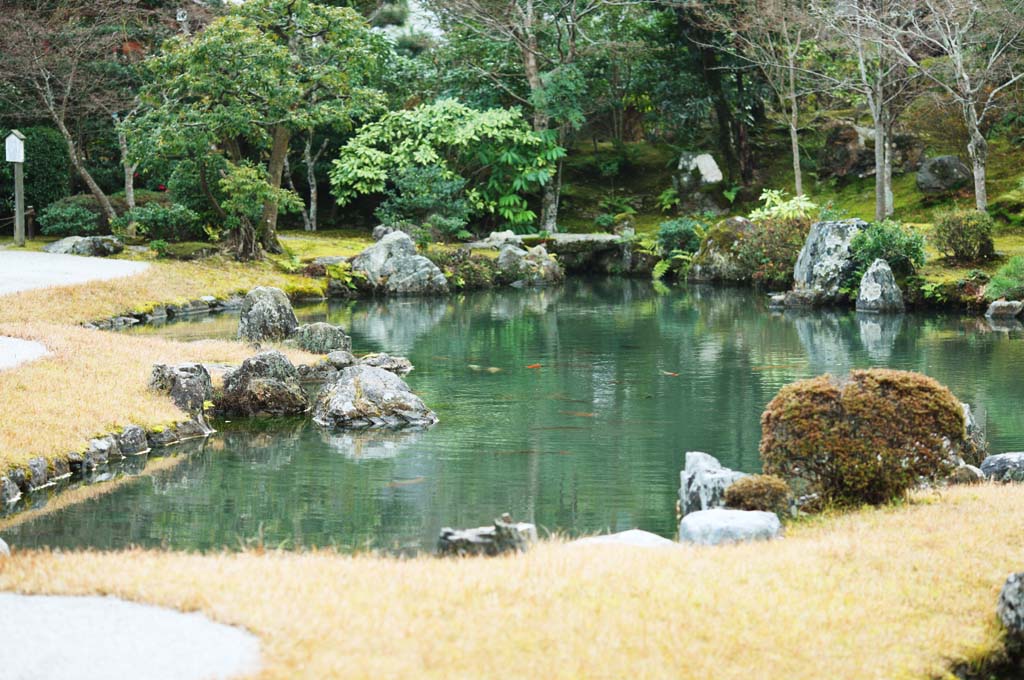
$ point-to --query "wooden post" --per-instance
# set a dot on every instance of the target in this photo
(14, 146)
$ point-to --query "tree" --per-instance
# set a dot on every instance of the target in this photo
(494, 151)
(969, 49)
(252, 79)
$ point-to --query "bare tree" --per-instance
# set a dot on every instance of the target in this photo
(969, 49)
(309, 158)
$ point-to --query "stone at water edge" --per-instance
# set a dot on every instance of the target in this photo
(413, 275)
(267, 383)
(633, 537)
(1010, 607)
(878, 290)
(266, 315)
(506, 536)
(825, 260)
(1004, 467)
(703, 481)
(133, 440)
(397, 365)
(189, 386)
(369, 397)
(719, 525)
(322, 338)
(1004, 309)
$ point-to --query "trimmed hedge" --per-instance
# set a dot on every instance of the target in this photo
(759, 492)
(867, 439)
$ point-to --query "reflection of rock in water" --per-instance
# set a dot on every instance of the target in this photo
(821, 333)
(395, 324)
(878, 333)
(1004, 325)
(370, 444)
(506, 305)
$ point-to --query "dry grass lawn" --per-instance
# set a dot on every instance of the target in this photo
(889, 593)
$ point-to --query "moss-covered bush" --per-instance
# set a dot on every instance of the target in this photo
(465, 270)
(759, 492)
(964, 235)
(1008, 281)
(866, 439)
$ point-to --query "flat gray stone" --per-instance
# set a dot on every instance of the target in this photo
(1004, 467)
(1004, 309)
(636, 538)
(714, 527)
(126, 641)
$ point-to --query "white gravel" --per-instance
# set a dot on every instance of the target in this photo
(21, 270)
(103, 638)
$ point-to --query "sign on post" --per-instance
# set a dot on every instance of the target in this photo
(14, 147)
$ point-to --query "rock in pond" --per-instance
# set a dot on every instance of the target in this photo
(327, 368)
(1004, 309)
(189, 386)
(397, 365)
(878, 290)
(703, 481)
(89, 246)
(719, 525)
(634, 537)
(265, 384)
(531, 267)
(266, 315)
(1004, 467)
(716, 260)
(1010, 607)
(943, 175)
(367, 396)
(506, 536)
(133, 441)
(322, 338)
(825, 261)
(392, 266)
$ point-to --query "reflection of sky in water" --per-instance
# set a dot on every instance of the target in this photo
(590, 440)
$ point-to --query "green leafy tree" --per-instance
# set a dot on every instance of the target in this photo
(497, 154)
(245, 85)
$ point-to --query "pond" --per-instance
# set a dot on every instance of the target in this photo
(569, 407)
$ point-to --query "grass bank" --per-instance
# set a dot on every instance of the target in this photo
(882, 593)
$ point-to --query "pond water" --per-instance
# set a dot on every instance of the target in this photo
(569, 407)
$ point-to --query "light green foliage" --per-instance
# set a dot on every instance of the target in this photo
(246, 188)
(424, 199)
(964, 235)
(1008, 281)
(777, 206)
(65, 218)
(494, 150)
(901, 246)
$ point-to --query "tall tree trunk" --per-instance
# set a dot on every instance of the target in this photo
(878, 114)
(129, 177)
(977, 148)
(275, 169)
(890, 207)
(83, 172)
(794, 131)
(307, 156)
(549, 199)
(723, 114)
(744, 152)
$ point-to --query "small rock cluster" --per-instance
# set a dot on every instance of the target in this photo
(392, 266)
(267, 315)
(530, 267)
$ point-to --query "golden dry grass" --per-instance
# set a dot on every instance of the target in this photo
(882, 593)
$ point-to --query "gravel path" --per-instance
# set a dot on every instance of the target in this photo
(21, 270)
(103, 638)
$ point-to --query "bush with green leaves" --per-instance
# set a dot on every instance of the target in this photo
(770, 250)
(424, 198)
(185, 186)
(683, 234)
(964, 235)
(47, 169)
(1008, 281)
(172, 223)
(67, 218)
(778, 205)
(901, 246)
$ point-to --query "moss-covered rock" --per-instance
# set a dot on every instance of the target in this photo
(866, 439)
(718, 257)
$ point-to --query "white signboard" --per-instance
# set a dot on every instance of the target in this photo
(15, 147)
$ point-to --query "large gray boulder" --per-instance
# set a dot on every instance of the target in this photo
(266, 315)
(505, 536)
(1004, 467)
(366, 397)
(698, 169)
(825, 262)
(878, 290)
(1004, 309)
(392, 266)
(943, 175)
(89, 246)
(703, 481)
(1010, 607)
(397, 365)
(189, 386)
(533, 267)
(265, 384)
(713, 527)
(322, 338)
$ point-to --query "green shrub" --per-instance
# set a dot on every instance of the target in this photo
(1008, 281)
(779, 206)
(604, 221)
(964, 235)
(682, 234)
(184, 187)
(426, 199)
(759, 492)
(171, 223)
(65, 218)
(47, 170)
(867, 439)
(769, 252)
(901, 246)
